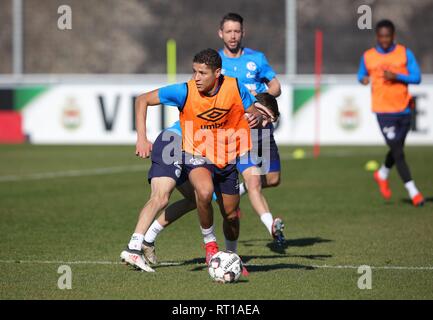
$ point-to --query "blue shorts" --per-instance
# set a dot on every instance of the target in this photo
(225, 180)
(264, 153)
(394, 127)
(166, 158)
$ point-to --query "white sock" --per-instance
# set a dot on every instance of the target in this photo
(136, 241)
(383, 172)
(232, 245)
(208, 234)
(411, 188)
(153, 232)
(267, 220)
(242, 189)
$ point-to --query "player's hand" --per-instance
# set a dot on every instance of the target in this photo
(265, 112)
(390, 76)
(365, 80)
(253, 92)
(253, 119)
(266, 121)
(143, 148)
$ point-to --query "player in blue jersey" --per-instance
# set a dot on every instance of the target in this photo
(249, 66)
(254, 72)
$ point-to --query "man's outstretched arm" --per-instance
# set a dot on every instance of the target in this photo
(143, 146)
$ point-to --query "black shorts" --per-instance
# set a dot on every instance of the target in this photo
(225, 180)
(394, 127)
(166, 158)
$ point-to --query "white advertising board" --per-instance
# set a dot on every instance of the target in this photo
(104, 114)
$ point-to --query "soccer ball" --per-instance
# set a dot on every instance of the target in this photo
(225, 267)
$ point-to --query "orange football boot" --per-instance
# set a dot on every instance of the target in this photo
(211, 249)
(418, 200)
(385, 191)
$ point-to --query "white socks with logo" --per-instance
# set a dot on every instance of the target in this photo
(136, 241)
(208, 234)
(152, 233)
(267, 220)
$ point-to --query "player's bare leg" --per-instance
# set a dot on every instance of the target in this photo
(229, 205)
(161, 190)
(271, 179)
(173, 212)
(201, 180)
(229, 208)
(161, 187)
(181, 207)
(254, 183)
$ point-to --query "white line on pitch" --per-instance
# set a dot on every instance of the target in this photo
(168, 263)
(75, 173)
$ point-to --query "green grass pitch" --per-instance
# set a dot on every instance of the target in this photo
(60, 205)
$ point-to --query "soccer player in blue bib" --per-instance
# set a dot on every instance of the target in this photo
(254, 72)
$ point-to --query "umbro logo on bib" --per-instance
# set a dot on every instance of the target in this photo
(213, 114)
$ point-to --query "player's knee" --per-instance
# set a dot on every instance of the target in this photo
(204, 194)
(273, 180)
(160, 199)
(232, 215)
(254, 183)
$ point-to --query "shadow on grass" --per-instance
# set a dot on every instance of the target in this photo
(281, 249)
(266, 267)
(278, 266)
(301, 242)
(409, 201)
(307, 256)
(200, 262)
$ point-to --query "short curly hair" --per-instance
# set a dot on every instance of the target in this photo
(385, 23)
(210, 57)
